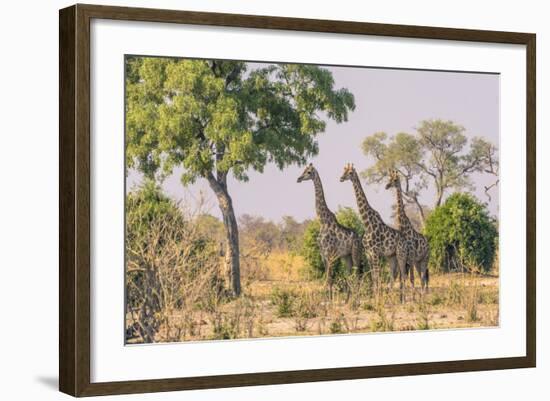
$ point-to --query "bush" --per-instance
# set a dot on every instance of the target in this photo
(462, 235)
(145, 205)
(170, 267)
(310, 249)
(283, 300)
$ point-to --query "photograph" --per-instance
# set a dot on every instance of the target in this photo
(275, 199)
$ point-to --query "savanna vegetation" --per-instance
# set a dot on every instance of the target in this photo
(193, 276)
(177, 288)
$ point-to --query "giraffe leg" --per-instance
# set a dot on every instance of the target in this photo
(349, 263)
(410, 268)
(392, 261)
(402, 255)
(356, 252)
(328, 266)
(374, 261)
(424, 274)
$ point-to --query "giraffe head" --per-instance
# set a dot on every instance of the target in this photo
(308, 173)
(349, 170)
(394, 180)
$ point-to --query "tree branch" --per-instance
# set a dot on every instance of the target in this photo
(488, 188)
(425, 169)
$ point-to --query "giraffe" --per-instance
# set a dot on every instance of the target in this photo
(420, 247)
(379, 240)
(335, 241)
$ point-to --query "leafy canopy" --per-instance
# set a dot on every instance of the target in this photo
(438, 155)
(213, 116)
(462, 235)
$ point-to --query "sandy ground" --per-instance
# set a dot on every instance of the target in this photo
(453, 301)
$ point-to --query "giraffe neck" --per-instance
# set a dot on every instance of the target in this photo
(323, 212)
(366, 212)
(402, 219)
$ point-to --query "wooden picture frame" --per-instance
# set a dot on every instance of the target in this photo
(74, 200)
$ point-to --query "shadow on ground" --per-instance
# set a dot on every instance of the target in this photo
(48, 381)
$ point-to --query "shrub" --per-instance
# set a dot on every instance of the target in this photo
(237, 322)
(283, 300)
(306, 307)
(171, 267)
(462, 235)
(307, 304)
(337, 325)
(310, 248)
(145, 205)
(383, 322)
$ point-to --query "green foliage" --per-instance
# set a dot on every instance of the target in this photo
(347, 217)
(157, 227)
(145, 205)
(148, 206)
(462, 235)
(437, 155)
(216, 116)
(310, 249)
(170, 264)
(283, 299)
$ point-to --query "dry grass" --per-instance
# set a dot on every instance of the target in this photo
(283, 301)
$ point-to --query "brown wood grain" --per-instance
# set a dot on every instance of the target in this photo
(74, 199)
(67, 296)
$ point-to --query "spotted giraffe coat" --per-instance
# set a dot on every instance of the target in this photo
(379, 240)
(420, 248)
(335, 241)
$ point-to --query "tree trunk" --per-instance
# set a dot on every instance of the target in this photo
(420, 211)
(439, 196)
(439, 185)
(231, 235)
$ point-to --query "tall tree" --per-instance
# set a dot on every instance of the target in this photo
(439, 155)
(216, 117)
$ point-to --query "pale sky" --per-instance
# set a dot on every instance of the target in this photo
(386, 100)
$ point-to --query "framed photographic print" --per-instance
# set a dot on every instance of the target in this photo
(250, 200)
